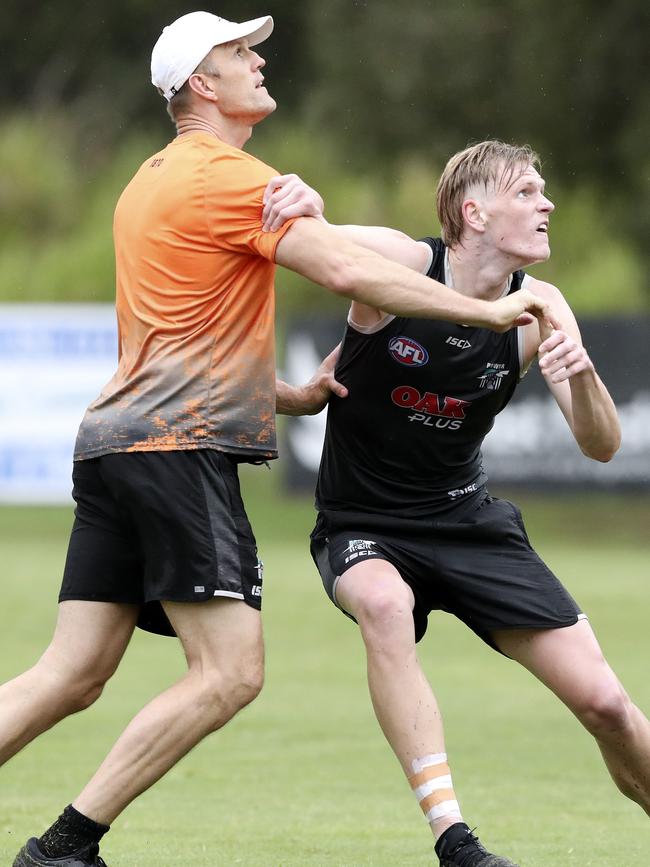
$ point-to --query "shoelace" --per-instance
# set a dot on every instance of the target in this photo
(469, 847)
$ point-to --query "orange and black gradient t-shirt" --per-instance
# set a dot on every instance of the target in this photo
(195, 309)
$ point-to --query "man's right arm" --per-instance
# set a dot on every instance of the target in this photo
(320, 253)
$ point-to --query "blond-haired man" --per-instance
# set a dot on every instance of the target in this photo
(406, 524)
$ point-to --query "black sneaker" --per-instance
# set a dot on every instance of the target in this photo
(31, 856)
(458, 847)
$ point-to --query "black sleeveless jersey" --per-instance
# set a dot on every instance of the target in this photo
(423, 394)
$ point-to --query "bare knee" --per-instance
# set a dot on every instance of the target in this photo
(74, 688)
(386, 611)
(607, 712)
(385, 605)
(88, 692)
(247, 686)
(221, 695)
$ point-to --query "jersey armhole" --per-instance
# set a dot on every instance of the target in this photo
(525, 284)
(370, 329)
(388, 318)
(427, 267)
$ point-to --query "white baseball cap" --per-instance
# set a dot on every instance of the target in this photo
(185, 42)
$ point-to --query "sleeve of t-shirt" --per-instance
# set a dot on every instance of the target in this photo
(234, 202)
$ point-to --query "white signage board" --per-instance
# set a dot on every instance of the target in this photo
(54, 360)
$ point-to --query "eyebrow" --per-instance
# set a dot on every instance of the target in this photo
(529, 182)
(236, 43)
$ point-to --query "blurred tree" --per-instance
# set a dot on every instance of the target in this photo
(429, 74)
(93, 59)
(371, 85)
(569, 78)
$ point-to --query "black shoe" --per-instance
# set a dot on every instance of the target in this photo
(31, 856)
(458, 847)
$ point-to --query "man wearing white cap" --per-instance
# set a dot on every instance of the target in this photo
(161, 538)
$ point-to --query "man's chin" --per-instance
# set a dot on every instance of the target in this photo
(268, 108)
(535, 257)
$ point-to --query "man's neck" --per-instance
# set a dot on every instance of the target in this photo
(478, 273)
(234, 135)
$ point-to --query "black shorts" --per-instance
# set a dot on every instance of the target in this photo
(481, 567)
(160, 526)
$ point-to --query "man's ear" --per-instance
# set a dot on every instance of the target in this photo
(203, 85)
(473, 214)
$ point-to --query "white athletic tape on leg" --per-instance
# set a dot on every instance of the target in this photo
(427, 761)
(446, 808)
(433, 788)
(432, 785)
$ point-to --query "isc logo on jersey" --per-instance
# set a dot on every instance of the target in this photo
(408, 351)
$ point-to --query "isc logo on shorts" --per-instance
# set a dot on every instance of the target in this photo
(359, 548)
(407, 351)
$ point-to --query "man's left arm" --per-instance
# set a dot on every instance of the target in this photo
(311, 398)
(574, 383)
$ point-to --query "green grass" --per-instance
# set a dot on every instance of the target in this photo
(303, 776)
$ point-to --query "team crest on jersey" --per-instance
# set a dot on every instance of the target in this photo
(493, 376)
(407, 351)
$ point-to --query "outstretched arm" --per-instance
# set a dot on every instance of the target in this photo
(317, 251)
(311, 398)
(572, 379)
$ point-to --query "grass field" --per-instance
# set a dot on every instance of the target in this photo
(303, 776)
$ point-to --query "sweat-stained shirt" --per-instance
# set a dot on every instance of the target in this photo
(195, 308)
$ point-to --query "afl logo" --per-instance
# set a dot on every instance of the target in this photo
(408, 351)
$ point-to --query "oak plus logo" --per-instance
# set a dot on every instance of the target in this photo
(493, 376)
(430, 409)
(407, 351)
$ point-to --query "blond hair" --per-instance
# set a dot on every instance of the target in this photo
(487, 164)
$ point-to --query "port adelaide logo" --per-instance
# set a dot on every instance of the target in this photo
(493, 376)
(407, 351)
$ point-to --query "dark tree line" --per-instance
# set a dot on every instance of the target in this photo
(570, 78)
